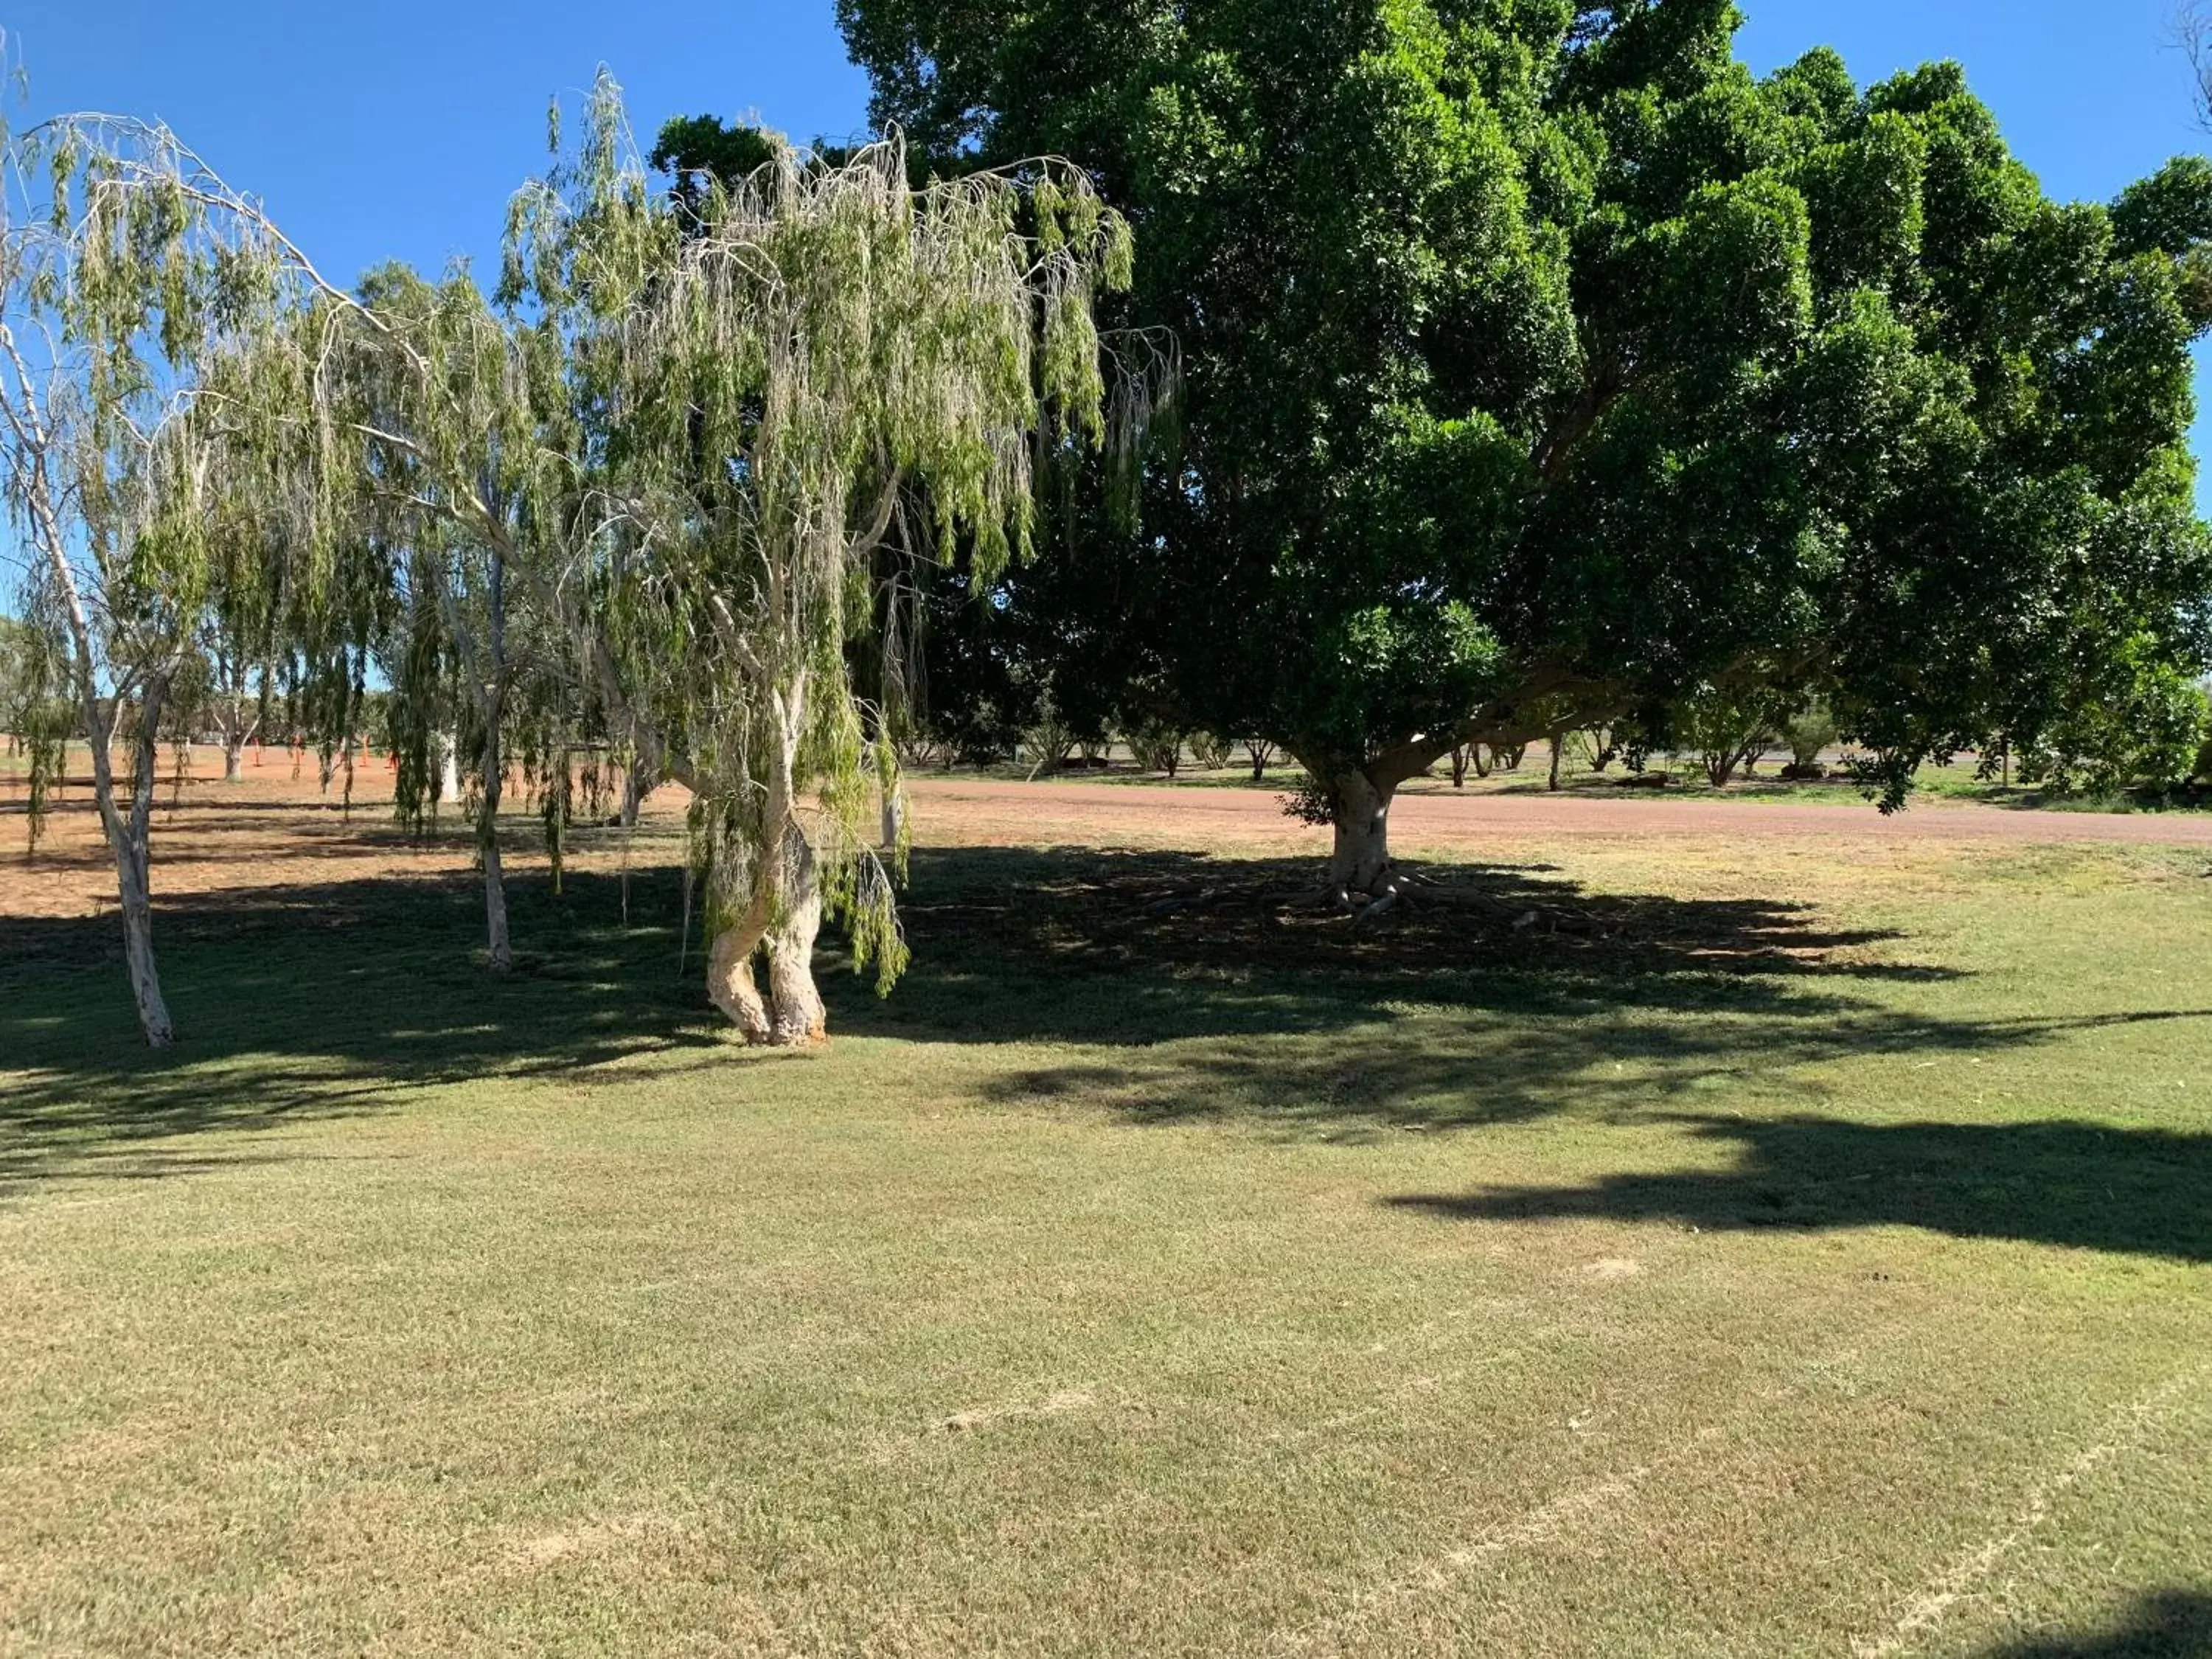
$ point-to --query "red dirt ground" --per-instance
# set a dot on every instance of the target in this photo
(1110, 811)
(271, 829)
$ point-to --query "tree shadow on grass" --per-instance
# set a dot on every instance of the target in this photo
(308, 1001)
(2145, 1192)
(1090, 946)
(2172, 1625)
(1501, 993)
(1505, 995)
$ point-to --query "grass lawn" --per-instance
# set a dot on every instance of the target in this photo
(1664, 1247)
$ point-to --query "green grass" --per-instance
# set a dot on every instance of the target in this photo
(1799, 1257)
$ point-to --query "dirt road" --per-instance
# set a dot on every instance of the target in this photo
(999, 811)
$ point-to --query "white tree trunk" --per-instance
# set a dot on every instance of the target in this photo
(233, 758)
(134, 889)
(129, 840)
(780, 926)
(800, 1019)
(499, 950)
(894, 816)
(1360, 862)
(781, 919)
(449, 766)
(731, 988)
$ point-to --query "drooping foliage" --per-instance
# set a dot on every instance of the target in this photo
(682, 431)
(630, 506)
(138, 461)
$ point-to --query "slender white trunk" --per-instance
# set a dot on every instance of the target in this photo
(894, 816)
(233, 758)
(449, 767)
(499, 950)
(129, 836)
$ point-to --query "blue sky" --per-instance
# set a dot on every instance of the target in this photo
(398, 130)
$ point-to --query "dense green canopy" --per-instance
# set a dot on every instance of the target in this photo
(1544, 364)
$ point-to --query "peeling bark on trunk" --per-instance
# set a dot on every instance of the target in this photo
(781, 919)
(729, 985)
(777, 931)
(799, 1019)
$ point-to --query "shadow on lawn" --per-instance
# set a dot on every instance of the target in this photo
(2173, 1624)
(2143, 1191)
(1506, 994)
(320, 1000)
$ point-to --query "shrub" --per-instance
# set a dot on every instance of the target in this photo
(1726, 729)
(1155, 745)
(2151, 734)
(1809, 731)
(1211, 751)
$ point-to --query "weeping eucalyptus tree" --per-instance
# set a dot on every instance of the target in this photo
(132, 281)
(686, 429)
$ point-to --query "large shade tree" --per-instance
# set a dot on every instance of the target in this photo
(1544, 366)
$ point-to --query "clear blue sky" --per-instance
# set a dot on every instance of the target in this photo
(398, 130)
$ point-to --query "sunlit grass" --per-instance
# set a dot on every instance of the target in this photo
(1766, 1244)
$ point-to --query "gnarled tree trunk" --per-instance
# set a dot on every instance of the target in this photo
(782, 917)
(1359, 861)
(777, 931)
